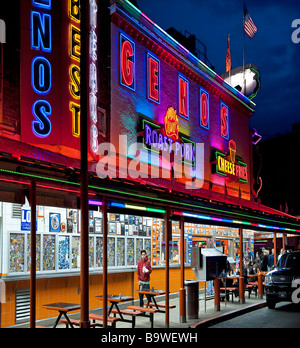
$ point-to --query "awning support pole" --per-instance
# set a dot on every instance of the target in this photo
(182, 298)
(105, 232)
(241, 279)
(84, 205)
(275, 251)
(33, 256)
(168, 234)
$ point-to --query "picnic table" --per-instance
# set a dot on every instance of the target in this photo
(151, 294)
(114, 301)
(62, 308)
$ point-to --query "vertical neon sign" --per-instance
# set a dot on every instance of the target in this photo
(204, 109)
(127, 62)
(183, 96)
(41, 70)
(93, 80)
(74, 70)
(153, 73)
(224, 121)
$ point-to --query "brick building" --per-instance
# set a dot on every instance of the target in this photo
(177, 119)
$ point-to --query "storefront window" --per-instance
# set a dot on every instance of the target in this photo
(58, 240)
(49, 253)
(99, 252)
(17, 253)
(64, 252)
(75, 253)
(130, 251)
(121, 252)
(38, 253)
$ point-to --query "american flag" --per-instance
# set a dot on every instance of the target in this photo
(228, 56)
(249, 26)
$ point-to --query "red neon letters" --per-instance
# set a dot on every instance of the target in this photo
(127, 63)
(224, 121)
(183, 97)
(204, 110)
(153, 78)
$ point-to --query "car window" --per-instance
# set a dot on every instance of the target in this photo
(290, 261)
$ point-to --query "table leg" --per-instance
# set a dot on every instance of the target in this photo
(154, 301)
(68, 320)
(118, 309)
(150, 298)
(57, 320)
(110, 309)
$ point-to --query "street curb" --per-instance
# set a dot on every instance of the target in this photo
(226, 316)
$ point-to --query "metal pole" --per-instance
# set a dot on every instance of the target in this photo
(105, 232)
(241, 279)
(275, 251)
(33, 256)
(84, 206)
(1, 82)
(182, 298)
(168, 232)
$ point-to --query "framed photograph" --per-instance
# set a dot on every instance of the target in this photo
(69, 225)
(98, 225)
(54, 222)
(40, 211)
(112, 227)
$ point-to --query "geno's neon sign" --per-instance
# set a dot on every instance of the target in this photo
(41, 69)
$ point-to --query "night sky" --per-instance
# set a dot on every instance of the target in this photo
(271, 50)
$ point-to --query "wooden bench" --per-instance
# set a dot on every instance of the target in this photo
(99, 317)
(252, 286)
(229, 290)
(133, 315)
(144, 310)
(160, 305)
(43, 327)
(74, 322)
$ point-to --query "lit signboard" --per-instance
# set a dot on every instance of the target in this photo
(50, 84)
(127, 62)
(166, 139)
(229, 165)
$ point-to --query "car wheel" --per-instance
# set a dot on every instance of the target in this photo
(271, 304)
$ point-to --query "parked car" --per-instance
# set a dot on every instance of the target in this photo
(279, 282)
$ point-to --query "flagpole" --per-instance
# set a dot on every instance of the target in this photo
(230, 60)
(244, 44)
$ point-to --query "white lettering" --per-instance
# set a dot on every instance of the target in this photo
(296, 33)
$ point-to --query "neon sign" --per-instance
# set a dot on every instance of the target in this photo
(165, 138)
(41, 70)
(224, 121)
(204, 109)
(127, 62)
(183, 96)
(229, 165)
(153, 85)
(172, 124)
(74, 70)
(93, 81)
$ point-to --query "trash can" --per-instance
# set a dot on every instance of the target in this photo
(192, 298)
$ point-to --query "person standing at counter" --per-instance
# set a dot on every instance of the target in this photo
(143, 273)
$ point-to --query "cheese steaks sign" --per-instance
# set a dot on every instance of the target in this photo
(50, 72)
(229, 165)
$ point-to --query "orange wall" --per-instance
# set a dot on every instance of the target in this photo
(67, 289)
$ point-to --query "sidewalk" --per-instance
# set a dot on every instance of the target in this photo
(228, 310)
